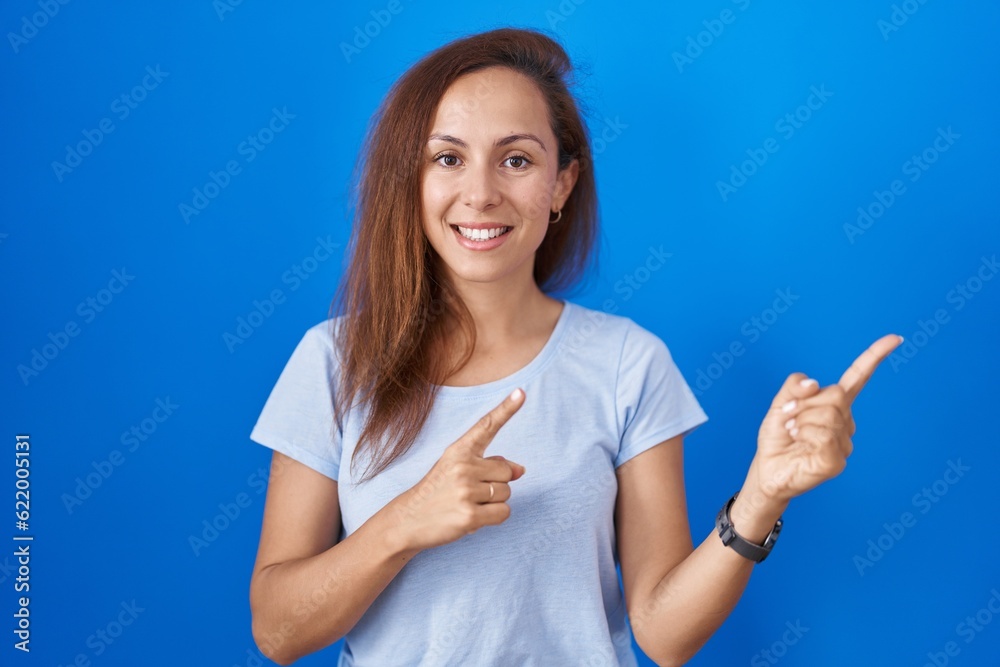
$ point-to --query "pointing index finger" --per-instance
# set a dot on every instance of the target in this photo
(483, 431)
(855, 377)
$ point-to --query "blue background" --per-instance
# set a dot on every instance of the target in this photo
(671, 130)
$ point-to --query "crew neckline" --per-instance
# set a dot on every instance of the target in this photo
(519, 377)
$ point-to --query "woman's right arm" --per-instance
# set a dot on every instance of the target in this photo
(307, 590)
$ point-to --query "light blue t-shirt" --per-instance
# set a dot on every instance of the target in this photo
(542, 588)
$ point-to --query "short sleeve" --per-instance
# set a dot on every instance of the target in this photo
(297, 418)
(653, 401)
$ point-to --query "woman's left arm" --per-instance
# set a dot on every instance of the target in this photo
(678, 596)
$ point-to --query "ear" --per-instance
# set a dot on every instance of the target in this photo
(565, 180)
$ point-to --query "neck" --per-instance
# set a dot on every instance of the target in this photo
(505, 310)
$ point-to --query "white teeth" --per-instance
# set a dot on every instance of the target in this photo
(482, 234)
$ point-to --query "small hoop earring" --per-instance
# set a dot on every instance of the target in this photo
(558, 217)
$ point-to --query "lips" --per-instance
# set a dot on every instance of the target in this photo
(480, 235)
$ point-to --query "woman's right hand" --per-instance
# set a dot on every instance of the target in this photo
(453, 498)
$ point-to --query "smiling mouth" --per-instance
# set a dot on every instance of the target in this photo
(481, 234)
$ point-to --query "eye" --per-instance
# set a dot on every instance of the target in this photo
(441, 156)
(521, 159)
(520, 162)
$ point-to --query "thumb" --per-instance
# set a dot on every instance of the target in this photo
(517, 468)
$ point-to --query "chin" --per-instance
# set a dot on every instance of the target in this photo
(478, 271)
(477, 274)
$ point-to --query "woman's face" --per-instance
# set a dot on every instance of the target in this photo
(491, 163)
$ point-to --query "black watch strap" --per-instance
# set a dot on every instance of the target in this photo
(730, 538)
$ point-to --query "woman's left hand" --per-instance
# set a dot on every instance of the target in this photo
(805, 438)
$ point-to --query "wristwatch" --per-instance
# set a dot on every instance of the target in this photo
(755, 552)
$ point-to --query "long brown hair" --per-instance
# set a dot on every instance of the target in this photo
(393, 297)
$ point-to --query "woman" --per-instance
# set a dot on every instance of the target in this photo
(387, 522)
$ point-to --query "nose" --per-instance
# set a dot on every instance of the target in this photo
(480, 189)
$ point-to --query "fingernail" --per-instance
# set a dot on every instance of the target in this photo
(790, 423)
(516, 394)
(789, 406)
(901, 339)
(807, 382)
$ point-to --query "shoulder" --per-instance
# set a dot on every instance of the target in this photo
(322, 336)
(317, 348)
(608, 333)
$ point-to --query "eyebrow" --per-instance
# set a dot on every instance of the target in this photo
(498, 143)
